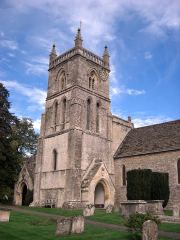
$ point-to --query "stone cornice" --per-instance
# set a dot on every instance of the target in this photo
(80, 87)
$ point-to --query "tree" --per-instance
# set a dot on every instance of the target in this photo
(24, 137)
(17, 140)
(8, 159)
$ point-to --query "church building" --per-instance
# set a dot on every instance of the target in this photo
(75, 162)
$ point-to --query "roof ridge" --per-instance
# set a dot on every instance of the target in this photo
(156, 124)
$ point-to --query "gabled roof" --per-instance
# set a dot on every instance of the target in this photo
(150, 139)
(30, 163)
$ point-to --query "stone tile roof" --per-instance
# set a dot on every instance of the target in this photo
(30, 164)
(150, 139)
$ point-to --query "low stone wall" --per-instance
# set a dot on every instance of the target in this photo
(132, 206)
(155, 207)
(73, 205)
(69, 225)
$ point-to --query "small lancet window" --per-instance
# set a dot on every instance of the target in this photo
(64, 113)
(97, 117)
(55, 113)
(124, 175)
(54, 159)
(178, 171)
(88, 113)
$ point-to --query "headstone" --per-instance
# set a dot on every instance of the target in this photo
(109, 208)
(64, 225)
(150, 230)
(4, 215)
(89, 210)
(77, 224)
(176, 210)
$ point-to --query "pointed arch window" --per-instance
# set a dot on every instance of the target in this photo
(92, 80)
(62, 80)
(54, 159)
(178, 170)
(97, 117)
(124, 175)
(64, 113)
(88, 113)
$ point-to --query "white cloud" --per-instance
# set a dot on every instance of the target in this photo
(35, 68)
(37, 124)
(98, 16)
(35, 95)
(38, 65)
(11, 55)
(149, 120)
(10, 44)
(141, 119)
(147, 55)
(128, 91)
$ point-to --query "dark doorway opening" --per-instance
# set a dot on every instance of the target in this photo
(24, 194)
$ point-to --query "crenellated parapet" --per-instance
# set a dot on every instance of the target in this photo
(77, 51)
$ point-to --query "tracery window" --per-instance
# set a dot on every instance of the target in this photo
(92, 80)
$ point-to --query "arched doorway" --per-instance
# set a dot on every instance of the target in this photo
(99, 196)
(24, 194)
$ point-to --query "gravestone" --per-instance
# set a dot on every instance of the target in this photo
(64, 225)
(89, 210)
(150, 230)
(68, 225)
(175, 210)
(4, 215)
(109, 208)
(77, 224)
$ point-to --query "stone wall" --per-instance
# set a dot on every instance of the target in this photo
(160, 162)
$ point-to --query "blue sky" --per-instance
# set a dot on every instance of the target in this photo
(143, 38)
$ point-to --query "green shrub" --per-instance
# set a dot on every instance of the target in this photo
(160, 187)
(139, 184)
(135, 223)
(143, 184)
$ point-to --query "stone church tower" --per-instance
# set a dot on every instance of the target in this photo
(79, 135)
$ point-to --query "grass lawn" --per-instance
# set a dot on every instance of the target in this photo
(170, 227)
(56, 211)
(30, 227)
(101, 216)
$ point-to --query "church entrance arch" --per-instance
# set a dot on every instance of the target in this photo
(99, 196)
